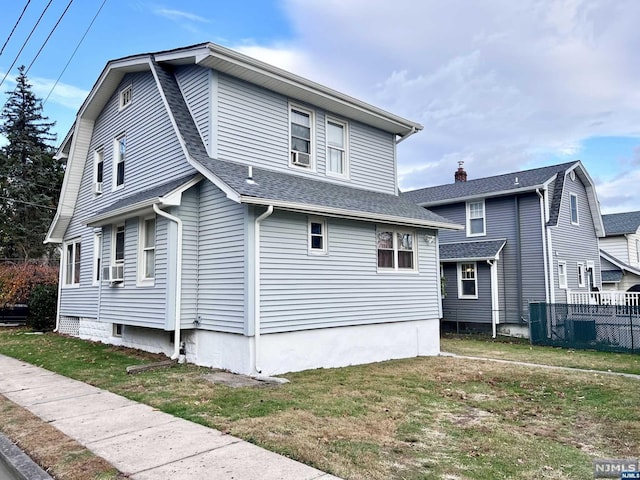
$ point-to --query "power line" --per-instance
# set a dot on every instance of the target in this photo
(27, 203)
(48, 37)
(25, 42)
(14, 27)
(74, 52)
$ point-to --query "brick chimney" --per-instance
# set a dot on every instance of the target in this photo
(460, 175)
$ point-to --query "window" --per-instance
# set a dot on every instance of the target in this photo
(118, 245)
(562, 274)
(574, 208)
(117, 330)
(119, 156)
(301, 130)
(98, 171)
(475, 219)
(146, 266)
(637, 251)
(317, 236)
(467, 281)
(72, 263)
(337, 148)
(125, 97)
(97, 257)
(395, 250)
(581, 275)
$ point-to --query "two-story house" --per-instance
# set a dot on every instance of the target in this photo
(529, 236)
(620, 252)
(218, 207)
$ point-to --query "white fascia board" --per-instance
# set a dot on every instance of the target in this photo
(619, 263)
(467, 259)
(480, 196)
(129, 211)
(350, 214)
(174, 198)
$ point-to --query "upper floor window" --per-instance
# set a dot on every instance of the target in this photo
(125, 97)
(475, 219)
(98, 171)
(581, 275)
(97, 257)
(337, 161)
(396, 250)
(147, 252)
(119, 157)
(467, 280)
(562, 274)
(72, 263)
(301, 133)
(317, 236)
(573, 198)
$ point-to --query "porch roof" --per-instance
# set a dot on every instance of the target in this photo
(611, 276)
(471, 251)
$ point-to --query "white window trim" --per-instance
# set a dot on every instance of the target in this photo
(122, 96)
(97, 255)
(98, 154)
(582, 272)
(460, 280)
(345, 133)
(312, 139)
(325, 238)
(116, 158)
(395, 268)
(75, 282)
(562, 279)
(637, 251)
(142, 280)
(577, 222)
(116, 330)
(484, 219)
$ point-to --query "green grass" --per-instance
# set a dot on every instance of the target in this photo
(414, 419)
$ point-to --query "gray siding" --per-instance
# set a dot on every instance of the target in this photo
(195, 84)
(616, 246)
(469, 310)
(188, 212)
(301, 291)
(221, 256)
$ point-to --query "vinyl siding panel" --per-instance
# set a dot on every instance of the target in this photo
(188, 212)
(616, 246)
(467, 310)
(195, 84)
(301, 291)
(221, 257)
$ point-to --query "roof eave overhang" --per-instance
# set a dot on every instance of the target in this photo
(619, 263)
(478, 196)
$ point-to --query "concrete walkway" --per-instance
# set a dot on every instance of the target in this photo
(138, 440)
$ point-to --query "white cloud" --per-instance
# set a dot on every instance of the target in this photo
(178, 15)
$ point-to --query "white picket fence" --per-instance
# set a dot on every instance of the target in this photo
(604, 298)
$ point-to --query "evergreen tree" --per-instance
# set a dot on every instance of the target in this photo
(30, 178)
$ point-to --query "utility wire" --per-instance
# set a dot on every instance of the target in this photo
(27, 203)
(14, 27)
(74, 52)
(25, 42)
(48, 37)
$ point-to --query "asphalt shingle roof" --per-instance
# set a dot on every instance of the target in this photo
(611, 276)
(483, 249)
(621, 223)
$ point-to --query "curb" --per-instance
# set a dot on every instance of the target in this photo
(19, 462)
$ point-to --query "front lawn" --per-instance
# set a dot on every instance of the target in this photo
(415, 419)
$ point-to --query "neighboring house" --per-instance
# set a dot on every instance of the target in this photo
(620, 252)
(529, 236)
(217, 206)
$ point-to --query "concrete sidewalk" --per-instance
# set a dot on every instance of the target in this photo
(136, 439)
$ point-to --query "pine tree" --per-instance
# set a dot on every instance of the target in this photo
(30, 178)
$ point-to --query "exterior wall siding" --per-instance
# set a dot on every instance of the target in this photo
(189, 212)
(616, 246)
(301, 291)
(195, 84)
(467, 310)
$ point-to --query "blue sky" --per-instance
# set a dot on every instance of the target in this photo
(500, 85)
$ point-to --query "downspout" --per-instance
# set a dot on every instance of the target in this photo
(178, 222)
(59, 289)
(545, 265)
(495, 314)
(519, 255)
(256, 289)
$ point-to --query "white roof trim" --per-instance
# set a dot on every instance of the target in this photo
(619, 263)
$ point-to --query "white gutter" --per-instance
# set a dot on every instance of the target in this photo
(60, 278)
(176, 339)
(404, 137)
(495, 312)
(256, 289)
(545, 265)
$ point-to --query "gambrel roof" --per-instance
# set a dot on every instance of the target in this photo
(621, 223)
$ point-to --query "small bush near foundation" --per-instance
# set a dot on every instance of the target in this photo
(43, 303)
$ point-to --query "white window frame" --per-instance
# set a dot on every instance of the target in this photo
(125, 97)
(118, 159)
(116, 330)
(573, 198)
(142, 250)
(344, 149)
(114, 237)
(469, 218)
(562, 274)
(637, 251)
(323, 235)
(97, 258)
(461, 279)
(312, 135)
(396, 248)
(98, 158)
(581, 274)
(76, 273)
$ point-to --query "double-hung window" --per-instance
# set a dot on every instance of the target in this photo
(562, 274)
(119, 157)
(72, 263)
(467, 280)
(337, 161)
(98, 171)
(301, 133)
(147, 252)
(573, 199)
(475, 219)
(396, 250)
(317, 236)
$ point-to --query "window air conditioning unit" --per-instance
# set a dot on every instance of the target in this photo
(113, 274)
(301, 159)
(97, 187)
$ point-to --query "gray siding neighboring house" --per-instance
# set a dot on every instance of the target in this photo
(251, 217)
(520, 227)
(620, 252)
